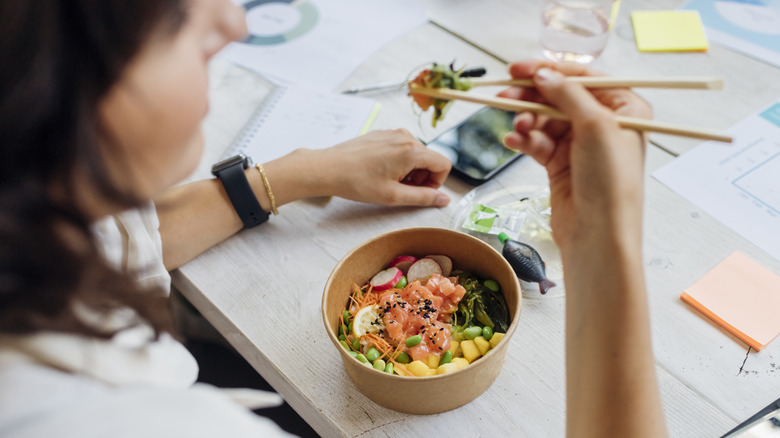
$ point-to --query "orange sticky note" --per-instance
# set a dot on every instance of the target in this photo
(742, 296)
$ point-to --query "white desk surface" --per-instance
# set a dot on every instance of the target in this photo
(262, 288)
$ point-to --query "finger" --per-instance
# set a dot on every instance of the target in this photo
(437, 165)
(521, 93)
(624, 102)
(535, 144)
(416, 177)
(572, 99)
(621, 100)
(525, 121)
(527, 69)
(555, 128)
(422, 196)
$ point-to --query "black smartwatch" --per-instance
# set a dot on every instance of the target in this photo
(231, 173)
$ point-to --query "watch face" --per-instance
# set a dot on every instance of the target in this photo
(232, 161)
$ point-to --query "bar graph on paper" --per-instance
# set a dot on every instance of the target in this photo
(738, 184)
(759, 175)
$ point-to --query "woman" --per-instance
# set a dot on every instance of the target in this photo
(100, 107)
(596, 173)
(100, 103)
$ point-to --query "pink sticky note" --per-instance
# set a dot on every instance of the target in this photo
(742, 296)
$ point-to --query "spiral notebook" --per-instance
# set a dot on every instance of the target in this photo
(292, 117)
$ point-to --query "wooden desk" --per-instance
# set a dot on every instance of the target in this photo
(262, 288)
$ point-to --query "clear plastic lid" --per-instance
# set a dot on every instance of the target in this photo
(523, 213)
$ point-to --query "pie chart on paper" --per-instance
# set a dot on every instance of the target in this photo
(273, 22)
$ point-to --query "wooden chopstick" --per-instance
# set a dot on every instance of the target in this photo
(519, 105)
(688, 82)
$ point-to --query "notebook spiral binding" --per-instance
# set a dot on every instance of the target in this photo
(256, 121)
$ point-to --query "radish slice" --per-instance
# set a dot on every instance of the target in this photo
(422, 269)
(443, 261)
(386, 279)
(403, 262)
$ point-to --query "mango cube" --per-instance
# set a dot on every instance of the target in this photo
(483, 344)
(497, 337)
(418, 368)
(460, 362)
(432, 361)
(431, 372)
(454, 348)
(447, 368)
(470, 350)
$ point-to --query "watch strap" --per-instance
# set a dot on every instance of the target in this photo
(242, 196)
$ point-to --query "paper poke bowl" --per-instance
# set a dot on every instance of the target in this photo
(422, 317)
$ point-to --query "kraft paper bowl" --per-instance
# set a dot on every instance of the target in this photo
(433, 394)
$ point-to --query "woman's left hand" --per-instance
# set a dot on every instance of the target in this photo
(388, 167)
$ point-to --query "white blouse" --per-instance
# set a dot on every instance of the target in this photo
(62, 385)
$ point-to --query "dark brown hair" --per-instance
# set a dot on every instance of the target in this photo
(59, 58)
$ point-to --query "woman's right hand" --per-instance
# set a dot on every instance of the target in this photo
(596, 168)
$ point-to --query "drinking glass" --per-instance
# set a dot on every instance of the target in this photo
(575, 30)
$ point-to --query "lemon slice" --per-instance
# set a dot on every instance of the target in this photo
(367, 320)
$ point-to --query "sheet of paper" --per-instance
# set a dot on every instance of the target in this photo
(751, 27)
(292, 116)
(668, 31)
(739, 183)
(319, 42)
(742, 296)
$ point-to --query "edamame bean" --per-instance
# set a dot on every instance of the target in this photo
(361, 358)
(379, 364)
(353, 353)
(411, 341)
(356, 344)
(492, 285)
(372, 354)
(487, 332)
(389, 368)
(403, 358)
(342, 338)
(345, 345)
(446, 357)
(401, 283)
(472, 332)
(346, 315)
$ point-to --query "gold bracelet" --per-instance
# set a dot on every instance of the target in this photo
(268, 189)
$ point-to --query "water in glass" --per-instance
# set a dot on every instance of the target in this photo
(575, 30)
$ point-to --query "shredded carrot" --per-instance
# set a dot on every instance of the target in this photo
(378, 342)
(369, 299)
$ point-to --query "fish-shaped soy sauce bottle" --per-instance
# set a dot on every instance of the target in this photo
(526, 262)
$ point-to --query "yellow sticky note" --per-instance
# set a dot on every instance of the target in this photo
(613, 15)
(371, 118)
(669, 31)
(742, 296)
